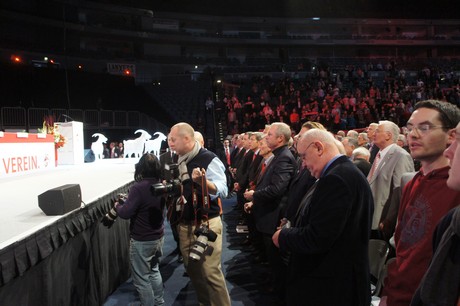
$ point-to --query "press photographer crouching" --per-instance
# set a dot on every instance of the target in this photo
(203, 179)
(146, 213)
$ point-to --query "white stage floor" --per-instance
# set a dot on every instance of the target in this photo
(20, 215)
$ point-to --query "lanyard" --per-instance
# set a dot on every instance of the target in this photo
(204, 199)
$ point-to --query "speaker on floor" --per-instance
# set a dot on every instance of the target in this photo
(60, 200)
(89, 156)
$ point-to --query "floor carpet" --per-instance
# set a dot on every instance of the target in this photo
(244, 278)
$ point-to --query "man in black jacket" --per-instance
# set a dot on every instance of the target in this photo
(270, 195)
(328, 237)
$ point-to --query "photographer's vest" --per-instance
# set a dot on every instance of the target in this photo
(201, 160)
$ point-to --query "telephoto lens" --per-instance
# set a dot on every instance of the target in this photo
(112, 215)
(204, 235)
(199, 247)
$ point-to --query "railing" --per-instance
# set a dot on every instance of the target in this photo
(22, 119)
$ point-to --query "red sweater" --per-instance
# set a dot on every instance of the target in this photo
(425, 200)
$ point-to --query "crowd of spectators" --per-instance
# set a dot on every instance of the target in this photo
(349, 98)
(297, 203)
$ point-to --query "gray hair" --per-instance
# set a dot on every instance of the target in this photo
(364, 136)
(390, 127)
(283, 130)
(258, 135)
(403, 138)
(351, 141)
(321, 135)
(360, 151)
(352, 133)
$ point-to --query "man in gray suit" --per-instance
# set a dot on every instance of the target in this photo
(385, 175)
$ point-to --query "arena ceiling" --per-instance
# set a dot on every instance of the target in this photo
(420, 9)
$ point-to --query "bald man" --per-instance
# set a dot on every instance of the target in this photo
(201, 171)
(328, 237)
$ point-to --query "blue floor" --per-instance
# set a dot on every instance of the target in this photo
(243, 277)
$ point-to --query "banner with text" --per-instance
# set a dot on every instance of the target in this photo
(24, 158)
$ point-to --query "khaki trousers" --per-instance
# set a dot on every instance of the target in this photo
(206, 274)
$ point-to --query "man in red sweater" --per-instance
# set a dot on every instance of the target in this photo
(425, 199)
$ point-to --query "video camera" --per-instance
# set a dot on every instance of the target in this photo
(204, 234)
(172, 187)
(112, 215)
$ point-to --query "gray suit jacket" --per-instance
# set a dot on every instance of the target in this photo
(387, 177)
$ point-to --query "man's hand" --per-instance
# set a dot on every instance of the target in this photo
(248, 195)
(275, 238)
(197, 175)
(248, 207)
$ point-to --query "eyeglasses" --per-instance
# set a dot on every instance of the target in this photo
(302, 155)
(423, 128)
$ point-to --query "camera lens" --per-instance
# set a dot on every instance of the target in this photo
(199, 247)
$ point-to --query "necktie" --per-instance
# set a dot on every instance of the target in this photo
(374, 166)
(227, 154)
(262, 170)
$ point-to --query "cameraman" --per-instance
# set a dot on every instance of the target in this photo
(145, 212)
(196, 164)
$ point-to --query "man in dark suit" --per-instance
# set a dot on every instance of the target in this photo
(270, 195)
(373, 149)
(224, 155)
(328, 237)
(360, 158)
(242, 169)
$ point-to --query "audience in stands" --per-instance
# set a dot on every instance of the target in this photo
(340, 99)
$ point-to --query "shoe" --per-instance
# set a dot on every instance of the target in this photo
(180, 259)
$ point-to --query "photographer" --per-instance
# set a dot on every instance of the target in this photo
(145, 212)
(201, 172)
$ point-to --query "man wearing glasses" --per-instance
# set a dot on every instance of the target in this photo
(425, 199)
(328, 235)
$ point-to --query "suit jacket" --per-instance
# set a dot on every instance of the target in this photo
(329, 262)
(235, 156)
(387, 176)
(241, 175)
(363, 165)
(223, 158)
(373, 150)
(254, 169)
(300, 184)
(271, 192)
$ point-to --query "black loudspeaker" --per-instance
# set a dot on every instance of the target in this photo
(89, 156)
(60, 200)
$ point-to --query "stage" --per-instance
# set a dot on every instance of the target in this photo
(69, 259)
(21, 215)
